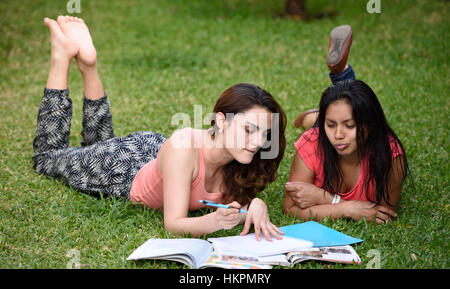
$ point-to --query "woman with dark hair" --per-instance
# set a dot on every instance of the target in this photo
(350, 163)
(231, 162)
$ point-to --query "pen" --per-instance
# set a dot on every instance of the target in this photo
(212, 204)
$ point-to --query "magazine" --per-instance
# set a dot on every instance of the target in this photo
(338, 254)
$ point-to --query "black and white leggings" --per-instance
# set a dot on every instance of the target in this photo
(104, 164)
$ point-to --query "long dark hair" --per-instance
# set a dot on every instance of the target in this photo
(244, 181)
(373, 135)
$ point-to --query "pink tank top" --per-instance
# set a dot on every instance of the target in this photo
(147, 186)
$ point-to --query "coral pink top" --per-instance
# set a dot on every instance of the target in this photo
(307, 148)
(147, 186)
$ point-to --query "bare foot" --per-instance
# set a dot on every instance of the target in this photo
(63, 48)
(76, 30)
(309, 120)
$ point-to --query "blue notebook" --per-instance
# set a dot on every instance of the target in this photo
(319, 234)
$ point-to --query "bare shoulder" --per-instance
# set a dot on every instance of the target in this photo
(179, 152)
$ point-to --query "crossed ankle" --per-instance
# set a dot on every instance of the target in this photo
(87, 68)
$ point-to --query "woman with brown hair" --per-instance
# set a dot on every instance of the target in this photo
(231, 162)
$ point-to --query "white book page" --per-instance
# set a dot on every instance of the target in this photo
(198, 250)
(228, 253)
(251, 246)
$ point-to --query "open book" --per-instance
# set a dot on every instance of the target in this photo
(195, 253)
(237, 252)
(245, 252)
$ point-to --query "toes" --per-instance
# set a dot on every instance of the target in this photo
(61, 19)
(47, 21)
(65, 19)
(54, 27)
(50, 23)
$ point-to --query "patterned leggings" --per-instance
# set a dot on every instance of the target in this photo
(104, 164)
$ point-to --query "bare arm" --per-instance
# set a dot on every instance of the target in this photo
(178, 167)
(312, 202)
(395, 183)
(321, 206)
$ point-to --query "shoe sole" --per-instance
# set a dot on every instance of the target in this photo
(339, 37)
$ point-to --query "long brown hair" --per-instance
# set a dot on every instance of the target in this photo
(244, 181)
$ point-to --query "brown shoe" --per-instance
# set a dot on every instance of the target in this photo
(340, 41)
(299, 121)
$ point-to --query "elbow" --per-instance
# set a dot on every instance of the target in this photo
(177, 229)
(286, 210)
(286, 207)
(289, 207)
(172, 228)
(294, 211)
(169, 228)
(291, 211)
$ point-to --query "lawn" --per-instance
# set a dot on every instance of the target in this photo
(158, 58)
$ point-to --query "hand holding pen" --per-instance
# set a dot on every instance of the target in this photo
(259, 217)
(213, 204)
(224, 217)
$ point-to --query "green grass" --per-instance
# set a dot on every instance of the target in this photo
(157, 58)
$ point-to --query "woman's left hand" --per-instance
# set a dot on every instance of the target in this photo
(258, 215)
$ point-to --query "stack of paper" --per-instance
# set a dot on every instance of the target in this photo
(248, 245)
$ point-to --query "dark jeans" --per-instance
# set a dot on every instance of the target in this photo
(344, 75)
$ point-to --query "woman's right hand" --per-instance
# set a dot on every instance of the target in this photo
(305, 194)
(228, 218)
(360, 209)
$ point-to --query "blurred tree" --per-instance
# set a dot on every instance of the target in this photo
(296, 9)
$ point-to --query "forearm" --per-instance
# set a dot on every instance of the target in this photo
(318, 212)
(196, 226)
(325, 197)
(305, 194)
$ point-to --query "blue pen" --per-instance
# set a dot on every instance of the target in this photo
(212, 204)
